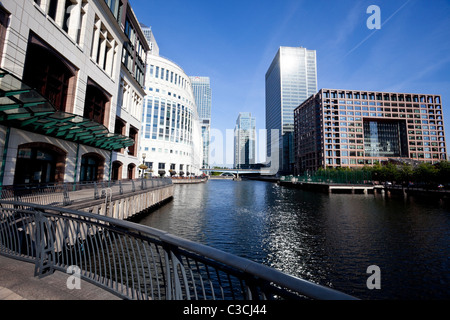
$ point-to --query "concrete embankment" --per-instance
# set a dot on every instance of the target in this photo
(126, 206)
(189, 181)
(367, 189)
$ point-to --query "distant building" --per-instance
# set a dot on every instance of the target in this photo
(74, 73)
(352, 128)
(202, 93)
(290, 80)
(150, 37)
(245, 141)
(171, 135)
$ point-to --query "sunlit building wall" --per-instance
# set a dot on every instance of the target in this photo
(203, 96)
(245, 141)
(171, 139)
(88, 60)
(352, 128)
(290, 80)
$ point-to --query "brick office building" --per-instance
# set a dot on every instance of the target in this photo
(351, 128)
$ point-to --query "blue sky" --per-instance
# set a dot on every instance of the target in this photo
(234, 42)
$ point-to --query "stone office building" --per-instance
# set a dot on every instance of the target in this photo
(71, 90)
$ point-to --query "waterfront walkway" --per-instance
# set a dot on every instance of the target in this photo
(17, 282)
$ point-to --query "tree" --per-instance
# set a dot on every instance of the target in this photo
(377, 172)
(406, 173)
(426, 173)
(443, 172)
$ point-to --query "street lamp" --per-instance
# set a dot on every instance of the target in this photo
(143, 163)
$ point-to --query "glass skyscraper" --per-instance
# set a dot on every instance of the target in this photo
(290, 80)
(202, 93)
(244, 141)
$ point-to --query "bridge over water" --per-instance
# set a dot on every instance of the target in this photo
(238, 172)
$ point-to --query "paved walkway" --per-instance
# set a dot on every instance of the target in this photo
(17, 282)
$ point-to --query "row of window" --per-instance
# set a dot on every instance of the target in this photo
(379, 107)
(167, 151)
(166, 120)
(172, 166)
(170, 94)
(335, 123)
(104, 47)
(354, 161)
(134, 55)
(129, 100)
(157, 72)
(71, 16)
(381, 96)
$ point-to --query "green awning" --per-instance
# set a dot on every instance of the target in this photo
(24, 108)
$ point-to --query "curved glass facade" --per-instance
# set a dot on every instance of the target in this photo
(171, 135)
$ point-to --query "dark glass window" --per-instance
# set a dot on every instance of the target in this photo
(95, 104)
(3, 26)
(39, 163)
(52, 9)
(385, 138)
(91, 168)
(48, 74)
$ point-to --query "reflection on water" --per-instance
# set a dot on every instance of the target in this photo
(328, 239)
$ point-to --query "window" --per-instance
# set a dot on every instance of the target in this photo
(3, 26)
(39, 163)
(96, 105)
(134, 133)
(92, 167)
(49, 73)
(116, 8)
(52, 6)
(104, 48)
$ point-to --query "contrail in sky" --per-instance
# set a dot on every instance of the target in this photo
(370, 35)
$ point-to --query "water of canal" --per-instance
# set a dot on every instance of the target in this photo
(327, 239)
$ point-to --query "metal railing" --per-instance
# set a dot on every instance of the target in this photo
(67, 193)
(137, 262)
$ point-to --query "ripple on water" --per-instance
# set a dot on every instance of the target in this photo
(327, 239)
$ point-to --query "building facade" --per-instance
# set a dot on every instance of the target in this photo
(203, 97)
(290, 80)
(351, 128)
(171, 135)
(67, 61)
(245, 141)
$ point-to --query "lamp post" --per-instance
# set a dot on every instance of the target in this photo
(144, 155)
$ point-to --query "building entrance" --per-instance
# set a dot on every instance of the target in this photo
(36, 165)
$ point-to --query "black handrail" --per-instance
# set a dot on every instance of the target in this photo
(135, 261)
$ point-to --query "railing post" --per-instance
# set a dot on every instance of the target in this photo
(45, 247)
(174, 290)
(96, 196)
(66, 200)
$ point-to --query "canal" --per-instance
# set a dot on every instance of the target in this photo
(327, 239)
